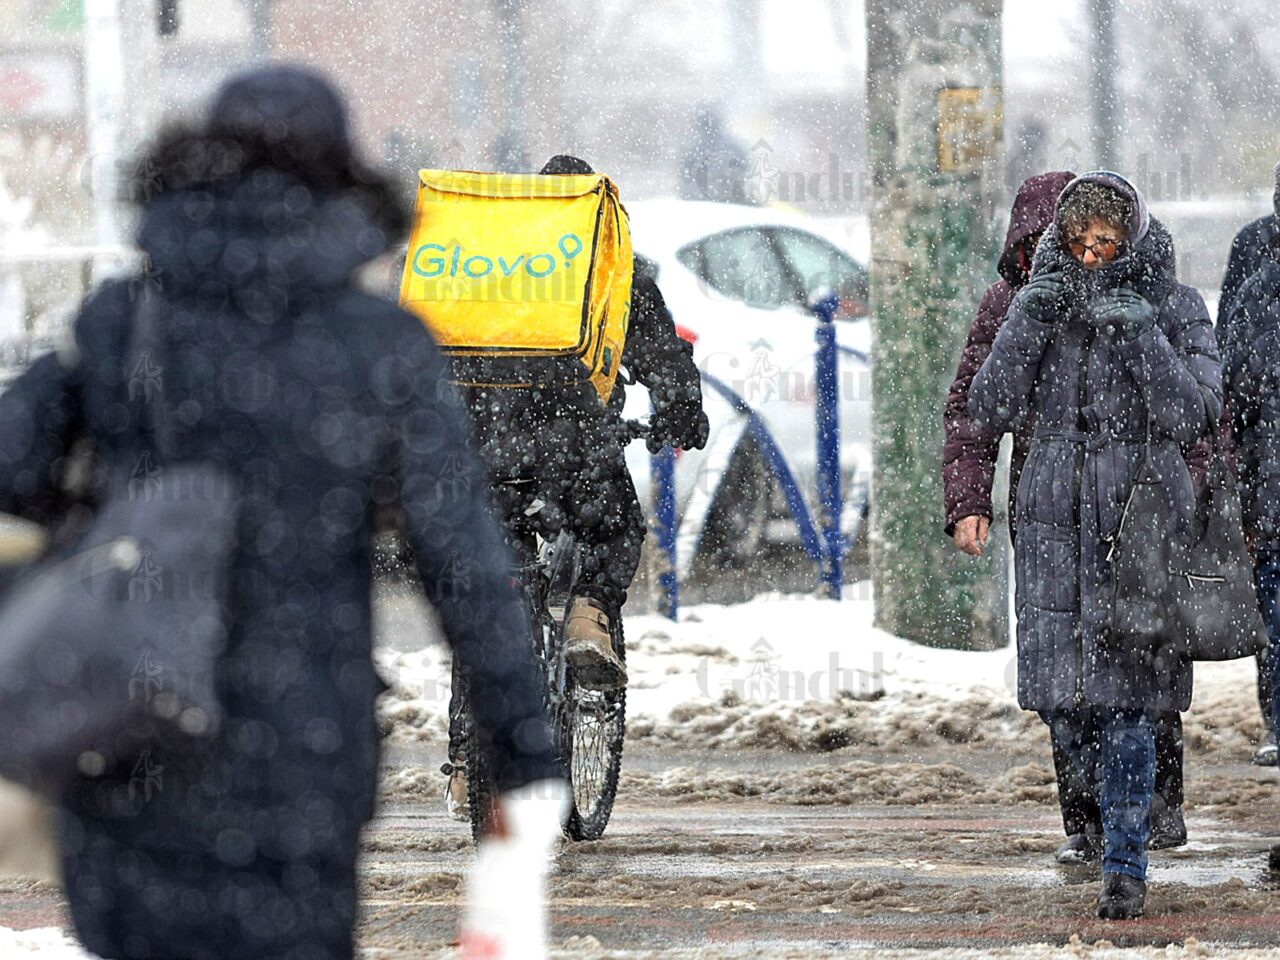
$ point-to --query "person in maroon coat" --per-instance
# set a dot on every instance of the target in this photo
(969, 455)
(968, 474)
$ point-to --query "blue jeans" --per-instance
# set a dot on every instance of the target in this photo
(1267, 578)
(1115, 749)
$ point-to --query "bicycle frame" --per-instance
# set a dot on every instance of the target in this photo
(540, 567)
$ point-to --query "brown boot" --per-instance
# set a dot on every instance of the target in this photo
(588, 646)
(455, 794)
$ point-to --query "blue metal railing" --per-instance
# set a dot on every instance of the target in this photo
(827, 415)
(662, 468)
(821, 539)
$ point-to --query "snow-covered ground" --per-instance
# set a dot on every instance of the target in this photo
(797, 672)
(785, 674)
(47, 943)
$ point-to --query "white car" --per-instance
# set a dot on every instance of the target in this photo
(738, 280)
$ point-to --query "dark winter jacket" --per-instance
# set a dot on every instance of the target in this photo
(1248, 251)
(1092, 396)
(325, 404)
(969, 453)
(523, 432)
(655, 354)
(1251, 382)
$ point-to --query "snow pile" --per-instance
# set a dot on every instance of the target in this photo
(587, 946)
(854, 782)
(1076, 949)
(797, 673)
(47, 943)
(804, 674)
(416, 705)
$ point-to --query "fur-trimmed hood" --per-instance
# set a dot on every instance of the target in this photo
(266, 197)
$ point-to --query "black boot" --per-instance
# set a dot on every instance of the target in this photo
(1122, 897)
(1168, 829)
(1273, 859)
(1265, 755)
(1080, 848)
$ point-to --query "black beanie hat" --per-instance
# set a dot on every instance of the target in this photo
(563, 163)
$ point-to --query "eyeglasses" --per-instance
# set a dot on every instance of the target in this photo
(1102, 249)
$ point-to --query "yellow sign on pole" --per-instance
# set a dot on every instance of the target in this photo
(969, 121)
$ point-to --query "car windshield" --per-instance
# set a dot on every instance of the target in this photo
(742, 264)
(818, 264)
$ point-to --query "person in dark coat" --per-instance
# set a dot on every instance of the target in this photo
(1108, 353)
(1248, 252)
(714, 166)
(568, 449)
(1251, 383)
(1251, 251)
(326, 405)
(970, 452)
(968, 472)
(569, 444)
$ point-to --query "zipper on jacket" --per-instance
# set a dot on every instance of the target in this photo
(1082, 383)
(1082, 380)
(1194, 578)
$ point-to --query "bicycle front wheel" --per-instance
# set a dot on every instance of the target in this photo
(592, 729)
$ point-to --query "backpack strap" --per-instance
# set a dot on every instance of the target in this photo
(144, 373)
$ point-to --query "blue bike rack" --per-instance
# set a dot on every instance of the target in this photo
(822, 539)
(662, 468)
(810, 539)
(827, 415)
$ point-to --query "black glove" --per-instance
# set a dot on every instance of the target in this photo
(684, 427)
(1041, 298)
(1126, 311)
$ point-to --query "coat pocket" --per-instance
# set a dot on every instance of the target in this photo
(1047, 564)
(1138, 554)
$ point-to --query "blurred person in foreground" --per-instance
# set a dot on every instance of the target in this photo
(1253, 250)
(1251, 386)
(325, 406)
(968, 474)
(1109, 354)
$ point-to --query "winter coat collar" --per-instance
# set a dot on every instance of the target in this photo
(1149, 265)
(266, 242)
(222, 220)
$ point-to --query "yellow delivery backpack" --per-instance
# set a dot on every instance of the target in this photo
(523, 279)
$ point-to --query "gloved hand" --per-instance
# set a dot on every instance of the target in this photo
(685, 427)
(1040, 298)
(505, 915)
(1126, 311)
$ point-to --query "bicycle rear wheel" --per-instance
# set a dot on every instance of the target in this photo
(592, 730)
(482, 795)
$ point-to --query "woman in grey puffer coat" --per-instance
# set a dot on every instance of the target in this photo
(1103, 347)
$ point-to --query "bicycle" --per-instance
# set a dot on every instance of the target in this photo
(588, 725)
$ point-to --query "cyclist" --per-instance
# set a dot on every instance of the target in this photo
(568, 447)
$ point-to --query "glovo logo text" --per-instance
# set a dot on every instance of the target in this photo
(435, 260)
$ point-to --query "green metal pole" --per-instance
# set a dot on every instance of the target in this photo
(936, 143)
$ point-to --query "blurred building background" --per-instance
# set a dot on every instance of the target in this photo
(505, 83)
